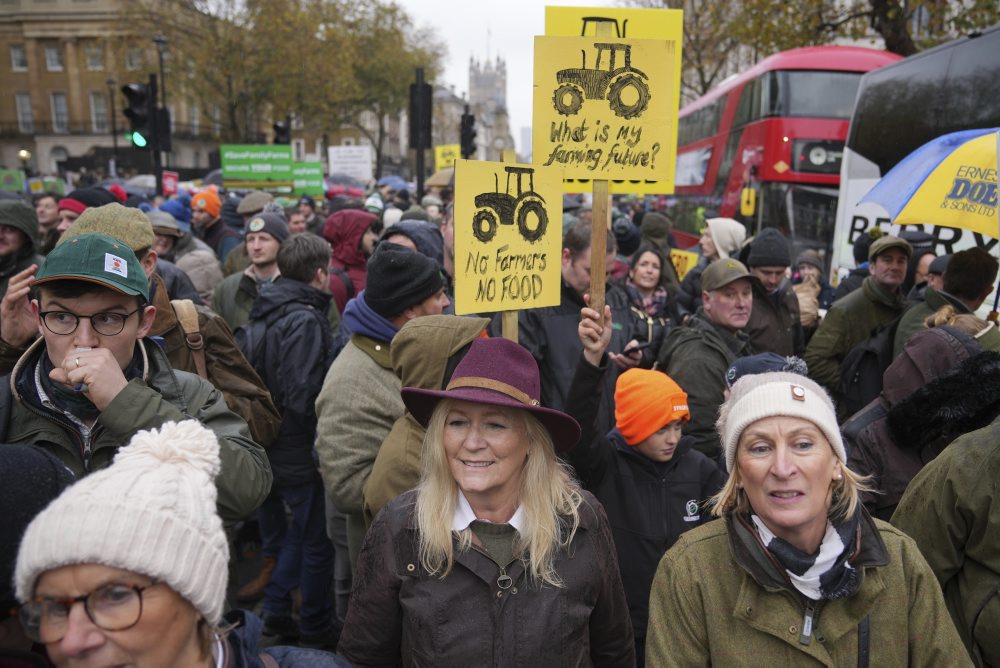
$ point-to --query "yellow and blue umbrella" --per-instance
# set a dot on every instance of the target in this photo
(950, 181)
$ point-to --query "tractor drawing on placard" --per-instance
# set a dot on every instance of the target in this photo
(502, 208)
(612, 78)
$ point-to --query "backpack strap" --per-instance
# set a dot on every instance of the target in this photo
(345, 279)
(187, 316)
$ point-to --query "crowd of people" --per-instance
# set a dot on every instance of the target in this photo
(243, 430)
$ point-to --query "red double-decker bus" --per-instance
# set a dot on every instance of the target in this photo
(765, 146)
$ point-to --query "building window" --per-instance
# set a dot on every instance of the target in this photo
(173, 118)
(216, 121)
(99, 112)
(95, 58)
(194, 119)
(133, 58)
(298, 149)
(18, 58)
(60, 114)
(53, 59)
(25, 116)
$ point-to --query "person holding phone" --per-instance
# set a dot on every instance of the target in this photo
(650, 480)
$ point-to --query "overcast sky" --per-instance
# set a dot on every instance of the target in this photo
(498, 27)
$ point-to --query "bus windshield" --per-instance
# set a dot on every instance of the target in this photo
(819, 94)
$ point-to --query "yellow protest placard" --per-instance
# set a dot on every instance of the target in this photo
(683, 261)
(602, 108)
(445, 155)
(508, 236)
(660, 24)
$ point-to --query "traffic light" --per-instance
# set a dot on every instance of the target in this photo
(139, 112)
(468, 134)
(282, 132)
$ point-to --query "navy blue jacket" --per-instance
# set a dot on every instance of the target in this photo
(293, 364)
(245, 649)
(649, 504)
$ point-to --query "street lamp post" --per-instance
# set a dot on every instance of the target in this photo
(161, 45)
(114, 128)
(24, 155)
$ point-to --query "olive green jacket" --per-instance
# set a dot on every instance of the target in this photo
(952, 511)
(913, 320)
(421, 354)
(161, 395)
(708, 606)
(849, 322)
(697, 357)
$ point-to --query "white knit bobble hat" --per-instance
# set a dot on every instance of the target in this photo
(151, 512)
(765, 395)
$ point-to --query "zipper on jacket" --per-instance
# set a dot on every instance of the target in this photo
(809, 619)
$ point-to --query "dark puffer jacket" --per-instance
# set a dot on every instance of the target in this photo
(649, 504)
(925, 404)
(293, 361)
(401, 615)
(344, 230)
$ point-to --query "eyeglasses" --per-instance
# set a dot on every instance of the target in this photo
(113, 607)
(106, 324)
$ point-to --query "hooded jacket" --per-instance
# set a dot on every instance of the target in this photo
(424, 353)
(294, 357)
(160, 394)
(720, 599)
(20, 216)
(849, 322)
(196, 259)
(697, 357)
(649, 504)
(344, 230)
(912, 321)
(925, 404)
(951, 511)
(401, 615)
(424, 235)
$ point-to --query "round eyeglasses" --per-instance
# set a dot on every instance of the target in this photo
(64, 323)
(113, 607)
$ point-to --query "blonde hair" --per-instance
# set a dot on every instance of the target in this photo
(549, 497)
(845, 494)
(968, 323)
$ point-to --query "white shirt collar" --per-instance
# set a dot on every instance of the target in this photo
(464, 516)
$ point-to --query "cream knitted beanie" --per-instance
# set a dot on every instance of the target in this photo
(151, 512)
(765, 395)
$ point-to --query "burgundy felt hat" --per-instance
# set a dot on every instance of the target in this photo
(497, 372)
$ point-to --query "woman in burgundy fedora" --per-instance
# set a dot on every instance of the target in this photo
(498, 558)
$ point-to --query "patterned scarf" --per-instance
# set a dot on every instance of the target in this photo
(826, 575)
(653, 305)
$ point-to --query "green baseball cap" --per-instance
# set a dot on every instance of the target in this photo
(721, 273)
(96, 258)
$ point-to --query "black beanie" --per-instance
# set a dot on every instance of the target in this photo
(769, 249)
(399, 278)
(863, 243)
(30, 478)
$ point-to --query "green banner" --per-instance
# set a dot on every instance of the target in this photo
(12, 180)
(264, 166)
(307, 178)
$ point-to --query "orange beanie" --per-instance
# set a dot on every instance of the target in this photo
(645, 402)
(207, 201)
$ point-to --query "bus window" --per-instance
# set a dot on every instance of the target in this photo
(819, 94)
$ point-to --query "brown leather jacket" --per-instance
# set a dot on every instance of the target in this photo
(226, 366)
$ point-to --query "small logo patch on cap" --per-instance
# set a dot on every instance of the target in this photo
(682, 407)
(798, 393)
(115, 265)
(256, 225)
